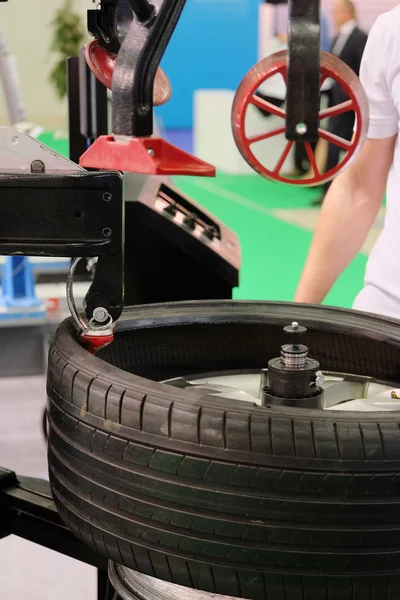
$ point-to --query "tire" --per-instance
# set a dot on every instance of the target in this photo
(44, 424)
(231, 498)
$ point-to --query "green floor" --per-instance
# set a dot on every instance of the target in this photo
(273, 251)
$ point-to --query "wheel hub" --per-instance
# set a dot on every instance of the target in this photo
(295, 379)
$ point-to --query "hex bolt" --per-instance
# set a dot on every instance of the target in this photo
(319, 379)
(15, 140)
(301, 128)
(100, 314)
(107, 196)
(151, 151)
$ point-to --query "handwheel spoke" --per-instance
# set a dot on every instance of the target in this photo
(311, 158)
(268, 106)
(323, 78)
(283, 158)
(334, 139)
(264, 136)
(339, 109)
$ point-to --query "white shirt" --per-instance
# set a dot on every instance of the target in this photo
(344, 33)
(380, 76)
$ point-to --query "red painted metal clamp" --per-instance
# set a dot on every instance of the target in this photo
(146, 155)
(94, 341)
(150, 156)
(331, 67)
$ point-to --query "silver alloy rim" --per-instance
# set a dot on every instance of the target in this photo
(342, 391)
(131, 585)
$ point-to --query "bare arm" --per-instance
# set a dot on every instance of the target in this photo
(348, 212)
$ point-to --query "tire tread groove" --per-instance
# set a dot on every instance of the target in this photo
(336, 431)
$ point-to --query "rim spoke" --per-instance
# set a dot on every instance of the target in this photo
(335, 139)
(284, 74)
(283, 158)
(339, 109)
(264, 136)
(324, 77)
(268, 106)
(311, 158)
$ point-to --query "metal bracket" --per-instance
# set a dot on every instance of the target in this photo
(303, 75)
(110, 22)
(61, 214)
(21, 153)
(27, 510)
(52, 207)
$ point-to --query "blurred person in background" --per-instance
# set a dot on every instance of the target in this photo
(348, 45)
(12, 92)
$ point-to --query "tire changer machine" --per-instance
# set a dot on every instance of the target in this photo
(110, 207)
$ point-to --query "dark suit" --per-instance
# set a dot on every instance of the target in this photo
(343, 125)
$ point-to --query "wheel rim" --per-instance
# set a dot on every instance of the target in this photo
(276, 64)
(131, 585)
(342, 391)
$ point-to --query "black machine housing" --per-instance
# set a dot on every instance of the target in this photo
(174, 249)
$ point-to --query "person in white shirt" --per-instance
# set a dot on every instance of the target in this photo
(349, 46)
(353, 201)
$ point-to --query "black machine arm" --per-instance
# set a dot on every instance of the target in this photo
(110, 22)
(303, 76)
(140, 32)
(67, 214)
(27, 510)
(142, 9)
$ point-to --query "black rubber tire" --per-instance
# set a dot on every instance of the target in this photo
(44, 424)
(263, 503)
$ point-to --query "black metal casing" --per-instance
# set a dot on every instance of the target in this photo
(303, 76)
(79, 214)
(27, 510)
(175, 250)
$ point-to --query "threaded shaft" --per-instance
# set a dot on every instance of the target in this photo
(293, 360)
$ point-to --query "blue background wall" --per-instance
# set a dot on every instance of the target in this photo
(214, 45)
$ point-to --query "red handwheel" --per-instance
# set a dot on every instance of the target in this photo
(331, 67)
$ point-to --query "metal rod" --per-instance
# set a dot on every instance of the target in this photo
(77, 143)
(70, 295)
